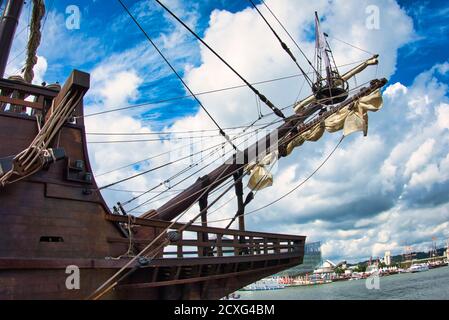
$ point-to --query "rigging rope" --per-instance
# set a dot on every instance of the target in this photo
(295, 188)
(164, 165)
(153, 140)
(157, 186)
(156, 168)
(239, 180)
(104, 288)
(179, 182)
(146, 159)
(141, 191)
(143, 104)
(176, 73)
(353, 46)
(233, 197)
(283, 45)
(33, 158)
(224, 178)
(244, 132)
(189, 131)
(109, 284)
(183, 158)
(34, 40)
(178, 160)
(257, 184)
(291, 38)
(263, 98)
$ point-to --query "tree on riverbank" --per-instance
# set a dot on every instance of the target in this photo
(360, 268)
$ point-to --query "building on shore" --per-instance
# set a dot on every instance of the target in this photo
(326, 269)
(387, 258)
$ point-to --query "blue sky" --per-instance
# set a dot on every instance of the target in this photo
(430, 20)
(378, 193)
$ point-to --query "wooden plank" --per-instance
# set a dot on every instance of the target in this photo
(58, 263)
(195, 243)
(68, 192)
(20, 102)
(28, 88)
(197, 279)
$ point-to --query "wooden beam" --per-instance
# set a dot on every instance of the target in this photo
(20, 102)
(79, 82)
(30, 89)
(195, 243)
(198, 279)
(164, 224)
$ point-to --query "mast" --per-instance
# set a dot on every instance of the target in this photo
(330, 87)
(321, 48)
(8, 26)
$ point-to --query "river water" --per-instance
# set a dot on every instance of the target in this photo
(432, 284)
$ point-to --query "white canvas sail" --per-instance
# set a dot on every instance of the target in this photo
(321, 44)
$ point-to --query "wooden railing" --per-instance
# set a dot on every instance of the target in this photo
(199, 241)
(18, 97)
(15, 96)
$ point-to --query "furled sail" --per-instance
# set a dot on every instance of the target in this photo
(261, 176)
(350, 119)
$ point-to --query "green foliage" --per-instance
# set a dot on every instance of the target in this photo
(339, 270)
(360, 268)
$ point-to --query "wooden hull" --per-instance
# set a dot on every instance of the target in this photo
(45, 279)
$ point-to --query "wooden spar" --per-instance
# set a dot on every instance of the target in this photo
(218, 176)
(8, 26)
(185, 199)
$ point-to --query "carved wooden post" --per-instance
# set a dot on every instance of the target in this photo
(180, 253)
(236, 243)
(219, 245)
(251, 245)
(203, 236)
(276, 244)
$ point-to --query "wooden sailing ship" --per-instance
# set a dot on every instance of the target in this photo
(53, 216)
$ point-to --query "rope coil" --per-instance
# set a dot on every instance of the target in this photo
(34, 39)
